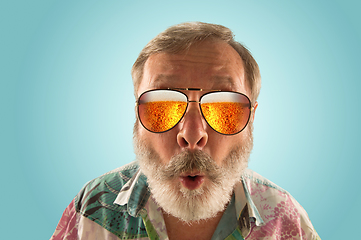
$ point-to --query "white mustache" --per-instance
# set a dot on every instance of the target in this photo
(188, 161)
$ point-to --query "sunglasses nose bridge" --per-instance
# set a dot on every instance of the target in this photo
(192, 129)
(191, 103)
(197, 105)
(193, 114)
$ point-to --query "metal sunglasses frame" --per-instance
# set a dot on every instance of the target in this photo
(208, 91)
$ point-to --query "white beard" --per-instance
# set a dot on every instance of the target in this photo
(204, 202)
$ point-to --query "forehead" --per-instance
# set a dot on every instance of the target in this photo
(207, 65)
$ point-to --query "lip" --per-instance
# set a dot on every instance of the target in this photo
(192, 180)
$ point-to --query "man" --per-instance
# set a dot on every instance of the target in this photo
(196, 91)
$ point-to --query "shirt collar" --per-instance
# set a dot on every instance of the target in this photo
(243, 195)
(135, 194)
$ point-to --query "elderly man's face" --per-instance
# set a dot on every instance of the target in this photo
(208, 65)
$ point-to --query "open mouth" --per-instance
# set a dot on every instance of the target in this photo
(192, 178)
(191, 181)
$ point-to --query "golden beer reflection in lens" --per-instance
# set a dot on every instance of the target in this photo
(163, 115)
(225, 117)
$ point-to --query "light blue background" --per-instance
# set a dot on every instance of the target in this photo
(67, 105)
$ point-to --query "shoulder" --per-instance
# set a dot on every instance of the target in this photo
(255, 180)
(280, 212)
(93, 215)
(96, 199)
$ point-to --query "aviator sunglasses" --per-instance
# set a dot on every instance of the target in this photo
(226, 112)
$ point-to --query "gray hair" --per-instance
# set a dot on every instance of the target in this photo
(180, 37)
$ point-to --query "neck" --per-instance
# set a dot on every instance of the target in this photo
(202, 230)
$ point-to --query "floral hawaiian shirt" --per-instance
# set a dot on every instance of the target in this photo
(118, 205)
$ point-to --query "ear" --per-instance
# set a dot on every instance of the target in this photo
(254, 110)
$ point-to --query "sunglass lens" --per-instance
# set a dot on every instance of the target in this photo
(161, 110)
(226, 112)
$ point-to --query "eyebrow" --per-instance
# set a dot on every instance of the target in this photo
(162, 78)
(218, 81)
(223, 82)
(223, 79)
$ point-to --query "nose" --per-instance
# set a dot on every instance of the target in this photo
(192, 134)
